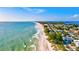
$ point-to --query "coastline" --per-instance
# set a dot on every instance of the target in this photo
(43, 43)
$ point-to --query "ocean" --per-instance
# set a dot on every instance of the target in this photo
(71, 22)
(17, 36)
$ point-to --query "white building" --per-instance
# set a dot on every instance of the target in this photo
(76, 43)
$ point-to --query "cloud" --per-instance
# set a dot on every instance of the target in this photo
(34, 10)
(15, 17)
(75, 15)
(18, 17)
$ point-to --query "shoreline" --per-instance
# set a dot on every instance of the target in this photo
(43, 43)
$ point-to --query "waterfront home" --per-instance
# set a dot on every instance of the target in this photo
(76, 43)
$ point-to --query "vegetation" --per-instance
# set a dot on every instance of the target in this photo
(55, 38)
(77, 48)
(57, 30)
(46, 31)
(59, 37)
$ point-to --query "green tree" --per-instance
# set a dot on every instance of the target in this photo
(59, 38)
(77, 48)
(46, 30)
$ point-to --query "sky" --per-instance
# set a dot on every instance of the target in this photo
(39, 14)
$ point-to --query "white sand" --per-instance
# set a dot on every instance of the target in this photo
(43, 43)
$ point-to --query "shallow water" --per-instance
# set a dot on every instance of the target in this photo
(15, 35)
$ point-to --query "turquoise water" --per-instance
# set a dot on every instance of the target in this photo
(15, 35)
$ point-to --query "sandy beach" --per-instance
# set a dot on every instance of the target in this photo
(43, 43)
